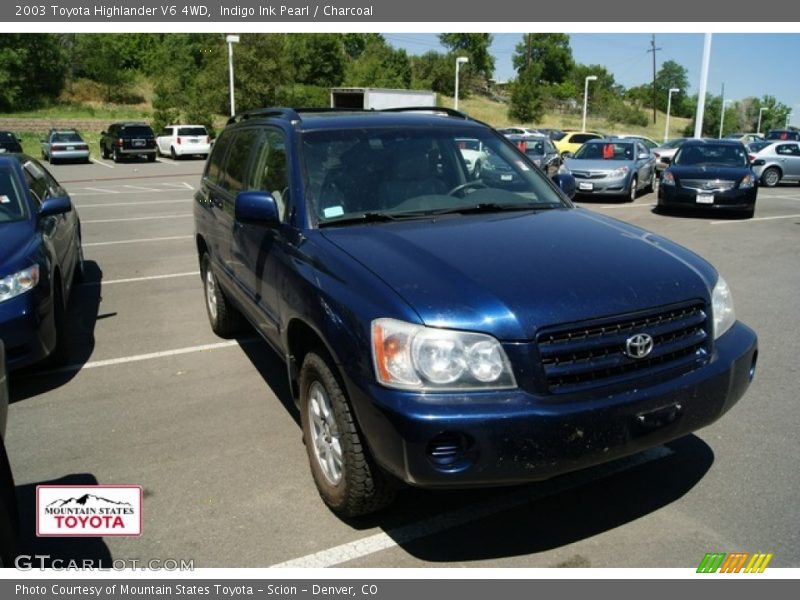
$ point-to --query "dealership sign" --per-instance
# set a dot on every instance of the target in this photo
(89, 510)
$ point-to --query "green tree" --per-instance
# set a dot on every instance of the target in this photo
(318, 58)
(356, 43)
(527, 105)
(550, 50)
(434, 71)
(379, 65)
(672, 75)
(474, 46)
(32, 69)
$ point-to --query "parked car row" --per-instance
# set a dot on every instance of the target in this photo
(120, 141)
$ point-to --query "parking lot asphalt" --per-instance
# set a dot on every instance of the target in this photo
(152, 397)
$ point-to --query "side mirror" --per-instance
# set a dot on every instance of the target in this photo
(644, 156)
(566, 182)
(55, 206)
(102, 133)
(256, 208)
(568, 155)
(666, 160)
(759, 162)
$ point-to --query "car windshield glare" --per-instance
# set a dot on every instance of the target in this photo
(605, 151)
(706, 155)
(11, 205)
(416, 172)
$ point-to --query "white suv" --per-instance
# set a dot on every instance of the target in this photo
(183, 140)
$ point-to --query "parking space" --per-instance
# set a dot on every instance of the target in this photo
(207, 426)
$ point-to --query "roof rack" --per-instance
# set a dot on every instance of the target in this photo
(286, 113)
(437, 109)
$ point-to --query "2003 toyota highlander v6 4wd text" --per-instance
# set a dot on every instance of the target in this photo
(446, 330)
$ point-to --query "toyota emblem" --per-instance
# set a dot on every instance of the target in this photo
(639, 345)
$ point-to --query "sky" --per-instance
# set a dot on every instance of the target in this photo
(748, 64)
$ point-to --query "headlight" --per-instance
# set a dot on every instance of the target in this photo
(747, 182)
(415, 357)
(667, 178)
(617, 173)
(19, 283)
(722, 308)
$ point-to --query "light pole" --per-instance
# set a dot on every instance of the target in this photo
(231, 40)
(459, 61)
(669, 107)
(701, 96)
(788, 116)
(760, 112)
(586, 97)
(722, 116)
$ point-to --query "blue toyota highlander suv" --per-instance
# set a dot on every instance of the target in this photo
(448, 330)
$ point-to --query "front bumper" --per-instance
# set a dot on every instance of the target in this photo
(733, 199)
(27, 328)
(604, 186)
(509, 437)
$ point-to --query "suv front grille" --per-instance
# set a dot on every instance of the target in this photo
(582, 356)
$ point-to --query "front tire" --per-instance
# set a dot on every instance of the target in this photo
(224, 318)
(632, 192)
(347, 478)
(771, 177)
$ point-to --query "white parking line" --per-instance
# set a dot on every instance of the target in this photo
(526, 495)
(152, 218)
(108, 204)
(101, 192)
(140, 241)
(621, 206)
(140, 357)
(165, 160)
(138, 279)
(753, 220)
(104, 191)
(101, 163)
(767, 197)
(140, 188)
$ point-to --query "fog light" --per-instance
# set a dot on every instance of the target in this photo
(448, 449)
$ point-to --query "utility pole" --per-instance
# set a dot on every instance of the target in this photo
(653, 49)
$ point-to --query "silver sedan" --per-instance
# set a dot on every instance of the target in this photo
(613, 167)
(778, 162)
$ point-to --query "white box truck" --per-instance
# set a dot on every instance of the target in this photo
(377, 98)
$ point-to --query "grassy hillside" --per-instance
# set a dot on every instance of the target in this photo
(496, 114)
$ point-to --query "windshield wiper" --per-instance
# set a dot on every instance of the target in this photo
(490, 207)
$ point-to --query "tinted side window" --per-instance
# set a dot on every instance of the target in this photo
(242, 149)
(214, 168)
(270, 172)
(788, 149)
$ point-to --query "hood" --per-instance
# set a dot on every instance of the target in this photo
(709, 173)
(510, 274)
(575, 164)
(17, 246)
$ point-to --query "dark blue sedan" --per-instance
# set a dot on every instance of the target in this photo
(40, 257)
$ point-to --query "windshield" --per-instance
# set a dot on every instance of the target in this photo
(708, 155)
(416, 172)
(137, 130)
(783, 135)
(11, 198)
(6, 136)
(605, 151)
